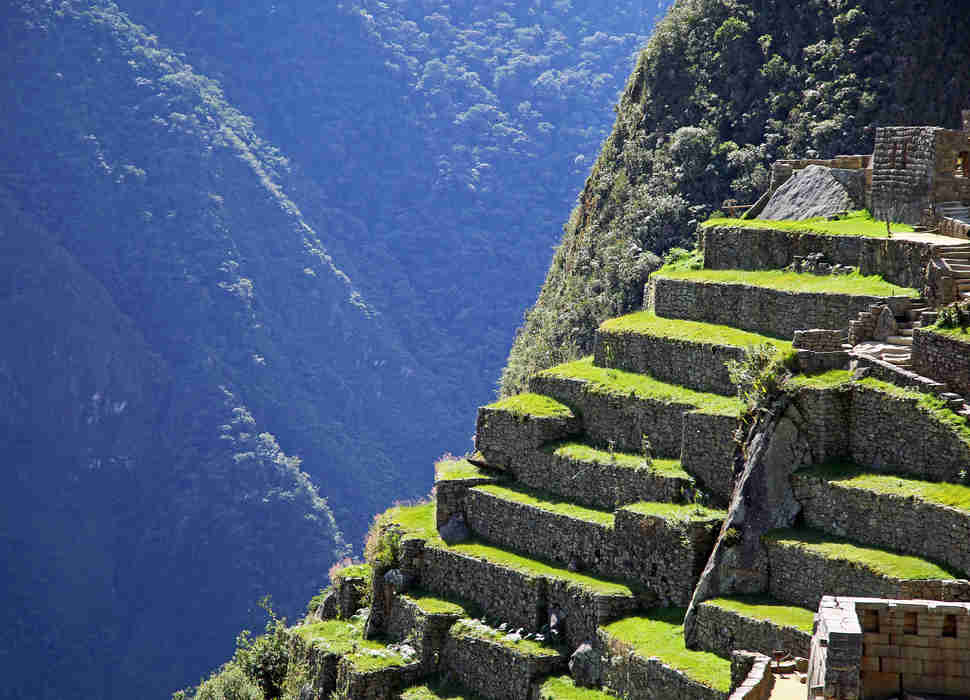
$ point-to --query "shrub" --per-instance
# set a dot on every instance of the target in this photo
(760, 374)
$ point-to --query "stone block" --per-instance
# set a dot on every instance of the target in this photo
(878, 685)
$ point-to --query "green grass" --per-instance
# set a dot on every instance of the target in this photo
(649, 323)
(532, 405)
(876, 560)
(345, 637)
(936, 407)
(438, 691)
(854, 284)
(479, 630)
(432, 605)
(416, 521)
(615, 382)
(763, 607)
(852, 476)
(363, 571)
(534, 567)
(858, 223)
(457, 469)
(563, 688)
(960, 334)
(676, 511)
(825, 380)
(582, 452)
(549, 503)
(660, 633)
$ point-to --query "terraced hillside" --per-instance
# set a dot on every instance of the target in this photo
(626, 488)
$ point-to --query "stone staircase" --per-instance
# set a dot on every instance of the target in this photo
(954, 219)
(956, 259)
(586, 516)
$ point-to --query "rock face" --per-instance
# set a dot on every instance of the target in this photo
(816, 191)
(455, 530)
(586, 666)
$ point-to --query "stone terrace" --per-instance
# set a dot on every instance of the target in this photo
(581, 527)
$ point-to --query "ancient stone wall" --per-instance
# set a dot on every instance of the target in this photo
(768, 311)
(891, 521)
(697, 365)
(751, 676)
(732, 248)
(887, 372)
(450, 497)
(380, 684)
(501, 435)
(494, 670)
(632, 676)
(708, 452)
(948, 185)
(582, 612)
(903, 168)
(943, 358)
(622, 420)
(722, 632)
(601, 485)
(826, 415)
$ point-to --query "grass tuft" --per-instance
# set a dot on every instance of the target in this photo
(432, 605)
(878, 561)
(825, 380)
(660, 633)
(857, 223)
(854, 284)
(438, 691)
(764, 607)
(615, 382)
(346, 638)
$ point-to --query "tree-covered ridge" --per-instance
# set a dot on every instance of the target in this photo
(723, 88)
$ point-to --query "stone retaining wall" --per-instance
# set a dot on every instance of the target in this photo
(584, 545)
(425, 632)
(889, 521)
(884, 371)
(321, 667)
(503, 593)
(501, 435)
(801, 578)
(722, 632)
(943, 358)
(622, 420)
(494, 670)
(898, 261)
(758, 309)
(632, 676)
(708, 452)
(597, 485)
(450, 497)
(582, 611)
(382, 684)
(696, 365)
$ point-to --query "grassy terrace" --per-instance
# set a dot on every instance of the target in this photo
(615, 382)
(825, 380)
(435, 691)
(458, 469)
(878, 561)
(660, 633)
(363, 571)
(961, 334)
(563, 688)
(932, 405)
(763, 607)
(854, 284)
(858, 223)
(582, 452)
(852, 476)
(535, 405)
(346, 638)
(476, 629)
(648, 323)
(680, 512)
(418, 521)
(431, 605)
(549, 503)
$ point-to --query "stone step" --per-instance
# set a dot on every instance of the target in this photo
(666, 564)
(900, 339)
(495, 663)
(755, 623)
(647, 658)
(599, 478)
(620, 408)
(805, 564)
(889, 511)
(691, 353)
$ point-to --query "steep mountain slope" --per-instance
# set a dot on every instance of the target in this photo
(723, 88)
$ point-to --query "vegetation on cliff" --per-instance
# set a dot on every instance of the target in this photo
(722, 89)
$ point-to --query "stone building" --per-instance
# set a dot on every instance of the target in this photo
(920, 172)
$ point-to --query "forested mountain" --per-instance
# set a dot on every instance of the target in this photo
(723, 88)
(235, 237)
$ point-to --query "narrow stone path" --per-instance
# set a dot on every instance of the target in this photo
(789, 687)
